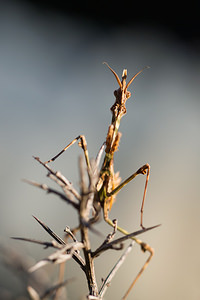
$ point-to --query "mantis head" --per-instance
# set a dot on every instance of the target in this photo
(122, 84)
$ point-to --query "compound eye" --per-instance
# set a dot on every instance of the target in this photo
(128, 94)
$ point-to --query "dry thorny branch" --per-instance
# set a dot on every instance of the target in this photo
(98, 188)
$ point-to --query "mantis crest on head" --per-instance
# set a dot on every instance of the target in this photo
(108, 184)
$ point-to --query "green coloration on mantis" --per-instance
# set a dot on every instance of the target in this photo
(108, 184)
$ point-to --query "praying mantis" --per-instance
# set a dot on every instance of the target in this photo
(108, 184)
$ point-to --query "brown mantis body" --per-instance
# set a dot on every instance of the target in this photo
(109, 182)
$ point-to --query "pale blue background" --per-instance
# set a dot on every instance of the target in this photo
(54, 87)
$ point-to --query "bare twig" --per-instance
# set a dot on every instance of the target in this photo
(116, 267)
(58, 257)
(111, 235)
(51, 232)
(35, 296)
(56, 287)
(75, 255)
(46, 245)
(68, 231)
(67, 184)
(50, 190)
(108, 239)
(60, 280)
(33, 293)
(83, 217)
(106, 246)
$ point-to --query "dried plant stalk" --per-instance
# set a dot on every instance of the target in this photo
(98, 189)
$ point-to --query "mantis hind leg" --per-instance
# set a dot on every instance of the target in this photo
(144, 170)
(144, 247)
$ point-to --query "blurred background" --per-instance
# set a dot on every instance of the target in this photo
(54, 87)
